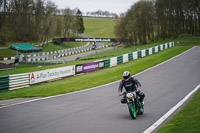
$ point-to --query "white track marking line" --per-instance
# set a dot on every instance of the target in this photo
(96, 86)
(165, 116)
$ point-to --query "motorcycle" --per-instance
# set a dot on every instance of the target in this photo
(134, 103)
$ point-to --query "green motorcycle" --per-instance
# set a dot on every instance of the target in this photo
(134, 103)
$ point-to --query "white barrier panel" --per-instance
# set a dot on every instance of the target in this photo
(51, 74)
(161, 47)
(170, 44)
(156, 49)
(19, 80)
(150, 51)
(125, 58)
(113, 61)
(135, 55)
(143, 52)
(166, 46)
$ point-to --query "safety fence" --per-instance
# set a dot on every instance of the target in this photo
(26, 79)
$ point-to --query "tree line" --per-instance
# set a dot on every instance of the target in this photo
(149, 20)
(36, 20)
(100, 13)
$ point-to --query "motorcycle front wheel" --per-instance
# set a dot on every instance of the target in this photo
(132, 110)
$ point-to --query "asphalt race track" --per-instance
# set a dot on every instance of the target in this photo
(99, 110)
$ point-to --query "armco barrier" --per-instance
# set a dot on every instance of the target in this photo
(19, 80)
(4, 83)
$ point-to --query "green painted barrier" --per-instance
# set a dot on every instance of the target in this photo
(139, 54)
(119, 59)
(158, 48)
(147, 52)
(153, 50)
(4, 83)
(106, 63)
(164, 47)
(130, 56)
(168, 45)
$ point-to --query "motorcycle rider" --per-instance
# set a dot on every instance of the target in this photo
(130, 84)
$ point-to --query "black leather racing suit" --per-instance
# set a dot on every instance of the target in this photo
(130, 85)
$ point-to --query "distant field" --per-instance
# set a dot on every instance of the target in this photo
(99, 27)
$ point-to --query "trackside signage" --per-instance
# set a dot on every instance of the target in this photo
(89, 40)
(89, 67)
(50, 74)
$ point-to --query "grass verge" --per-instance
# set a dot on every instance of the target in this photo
(187, 120)
(98, 77)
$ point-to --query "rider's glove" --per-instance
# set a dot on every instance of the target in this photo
(139, 88)
(120, 93)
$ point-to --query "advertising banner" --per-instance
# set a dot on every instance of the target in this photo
(51, 74)
(79, 68)
(89, 67)
(89, 39)
(101, 64)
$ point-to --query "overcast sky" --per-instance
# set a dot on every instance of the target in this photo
(114, 6)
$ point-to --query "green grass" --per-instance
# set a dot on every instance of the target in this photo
(98, 77)
(99, 27)
(8, 53)
(187, 120)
